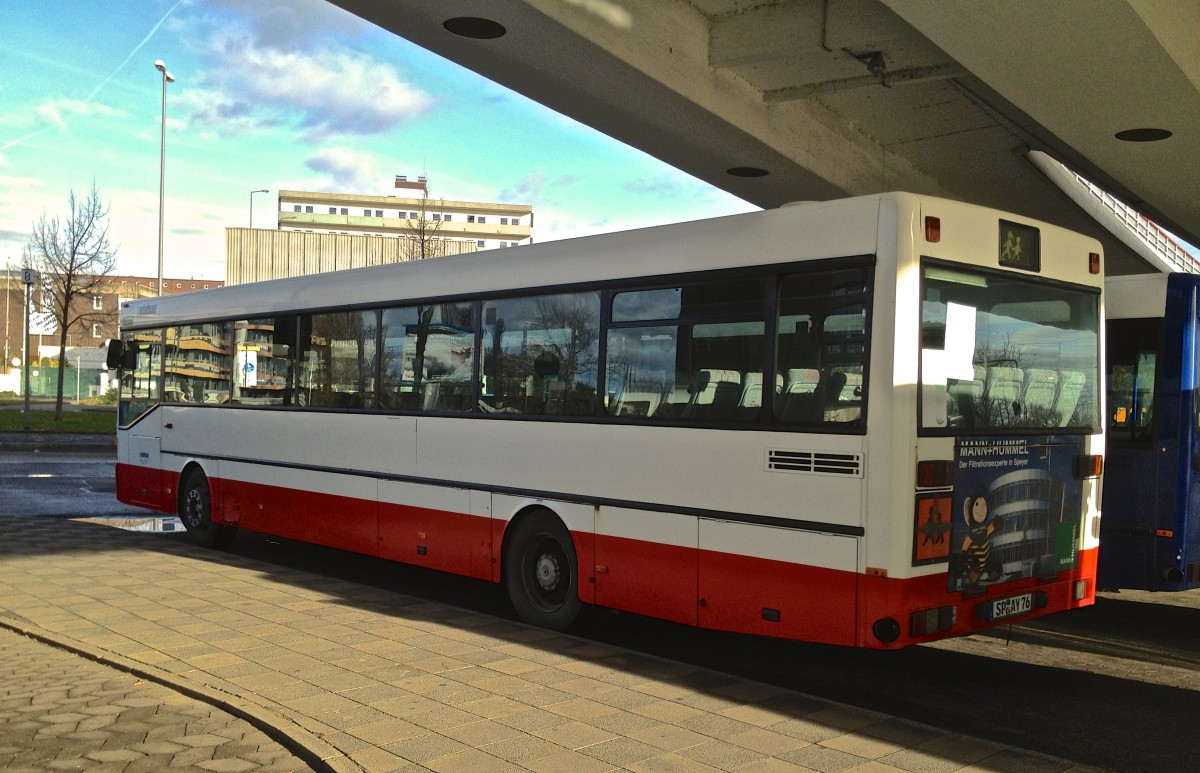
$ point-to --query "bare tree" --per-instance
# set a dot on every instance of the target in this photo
(74, 257)
(424, 241)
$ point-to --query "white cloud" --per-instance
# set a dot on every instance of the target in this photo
(251, 83)
(347, 170)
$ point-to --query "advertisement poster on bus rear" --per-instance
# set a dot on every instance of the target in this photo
(1016, 510)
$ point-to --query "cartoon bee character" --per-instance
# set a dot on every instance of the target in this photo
(977, 545)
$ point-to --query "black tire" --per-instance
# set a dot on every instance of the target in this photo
(540, 572)
(195, 510)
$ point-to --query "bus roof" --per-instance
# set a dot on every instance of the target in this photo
(779, 235)
(840, 228)
(1139, 296)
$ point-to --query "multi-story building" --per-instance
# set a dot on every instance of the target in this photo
(486, 225)
(319, 232)
(96, 313)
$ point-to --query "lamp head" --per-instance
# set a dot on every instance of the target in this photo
(160, 65)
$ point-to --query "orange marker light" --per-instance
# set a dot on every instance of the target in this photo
(933, 229)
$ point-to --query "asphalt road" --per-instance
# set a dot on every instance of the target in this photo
(59, 484)
(1116, 685)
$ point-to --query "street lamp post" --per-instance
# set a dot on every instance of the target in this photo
(162, 165)
(260, 190)
(28, 278)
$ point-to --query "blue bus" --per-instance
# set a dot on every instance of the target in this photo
(1150, 531)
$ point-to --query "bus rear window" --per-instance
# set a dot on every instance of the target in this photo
(1005, 352)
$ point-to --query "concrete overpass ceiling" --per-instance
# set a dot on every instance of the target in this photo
(842, 97)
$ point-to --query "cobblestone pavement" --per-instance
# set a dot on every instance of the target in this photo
(362, 679)
(60, 711)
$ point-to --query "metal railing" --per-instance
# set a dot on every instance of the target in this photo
(1146, 231)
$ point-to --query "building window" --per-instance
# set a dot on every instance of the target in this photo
(308, 209)
(412, 215)
(366, 213)
(97, 303)
(345, 211)
(97, 331)
(379, 213)
(437, 216)
(295, 207)
(504, 221)
(479, 243)
(482, 219)
(446, 218)
(471, 219)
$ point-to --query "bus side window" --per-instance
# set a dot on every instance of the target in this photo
(820, 347)
(541, 354)
(338, 359)
(141, 381)
(1132, 354)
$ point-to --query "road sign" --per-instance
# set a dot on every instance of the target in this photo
(28, 276)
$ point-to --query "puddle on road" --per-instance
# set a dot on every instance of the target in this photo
(138, 522)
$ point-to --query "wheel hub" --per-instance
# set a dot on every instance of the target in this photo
(546, 571)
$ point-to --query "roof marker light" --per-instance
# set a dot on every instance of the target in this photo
(933, 229)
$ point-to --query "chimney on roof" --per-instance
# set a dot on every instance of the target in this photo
(419, 185)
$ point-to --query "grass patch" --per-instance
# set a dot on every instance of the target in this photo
(85, 422)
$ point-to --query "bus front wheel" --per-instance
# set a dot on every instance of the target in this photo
(540, 572)
(195, 510)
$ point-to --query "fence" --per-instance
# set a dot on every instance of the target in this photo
(78, 383)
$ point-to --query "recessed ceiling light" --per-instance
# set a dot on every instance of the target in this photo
(1143, 135)
(747, 171)
(475, 28)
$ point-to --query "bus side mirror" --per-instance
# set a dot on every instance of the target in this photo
(114, 359)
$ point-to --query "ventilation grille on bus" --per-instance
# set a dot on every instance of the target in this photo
(816, 462)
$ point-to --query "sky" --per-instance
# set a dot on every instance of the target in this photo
(288, 94)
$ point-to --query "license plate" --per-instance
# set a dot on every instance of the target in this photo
(1011, 606)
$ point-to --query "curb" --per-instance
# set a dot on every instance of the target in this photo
(320, 755)
(42, 442)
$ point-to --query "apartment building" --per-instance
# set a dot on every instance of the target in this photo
(410, 212)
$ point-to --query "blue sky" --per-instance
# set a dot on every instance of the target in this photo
(292, 94)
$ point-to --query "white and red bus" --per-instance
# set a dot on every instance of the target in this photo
(870, 422)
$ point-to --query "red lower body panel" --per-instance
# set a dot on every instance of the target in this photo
(709, 589)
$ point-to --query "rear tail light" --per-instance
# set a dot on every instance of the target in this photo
(926, 621)
(935, 474)
(1088, 466)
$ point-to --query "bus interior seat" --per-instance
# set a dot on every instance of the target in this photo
(638, 403)
(965, 395)
(801, 403)
(1070, 387)
(752, 389)
(715, 393)
(833, 387)
(752, 394)
(852, 392)
(672, 407)
(1040, 389)
(1003, 388)
(802, 380)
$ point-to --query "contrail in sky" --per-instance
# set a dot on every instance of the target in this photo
(103, 83)
(136, 48)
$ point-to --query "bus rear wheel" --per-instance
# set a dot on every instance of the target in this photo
(195, 510)
(540, 572)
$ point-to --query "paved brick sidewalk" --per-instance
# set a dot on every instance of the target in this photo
(60, 711)
(367, 679)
